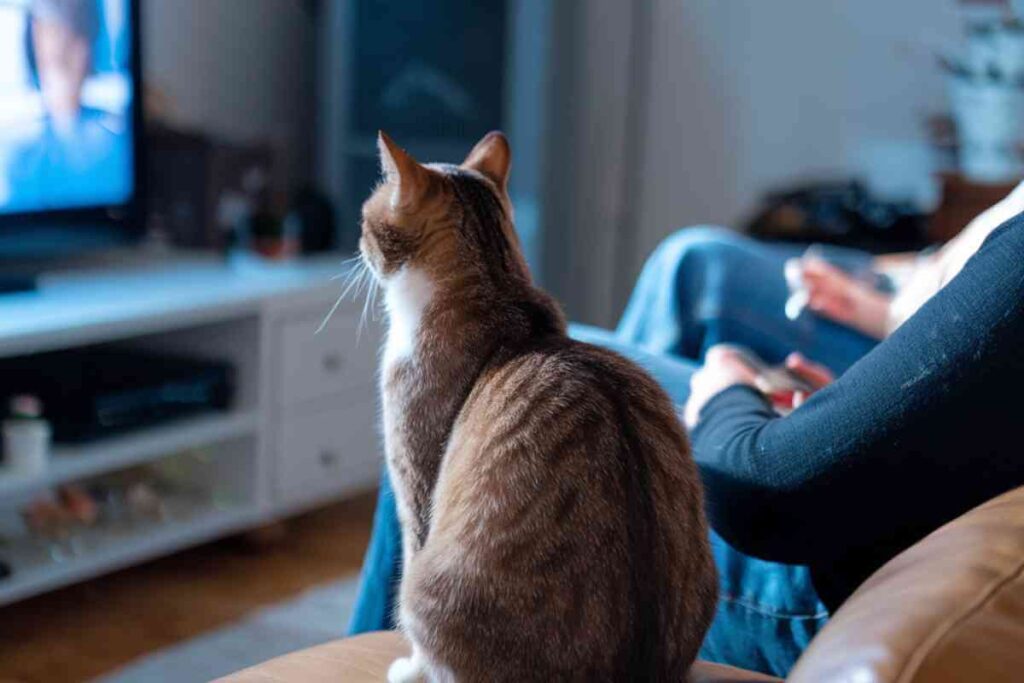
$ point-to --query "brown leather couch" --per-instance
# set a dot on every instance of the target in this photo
(949, 609)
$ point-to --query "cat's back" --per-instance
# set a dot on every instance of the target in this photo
(564, 435)
(557, 382)
(569, 477)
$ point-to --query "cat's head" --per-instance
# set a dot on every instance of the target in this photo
(442, 219)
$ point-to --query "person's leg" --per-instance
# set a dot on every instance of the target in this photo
(703, 286)
(382, 567)
(767, 612)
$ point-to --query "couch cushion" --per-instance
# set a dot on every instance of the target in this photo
(951, 608)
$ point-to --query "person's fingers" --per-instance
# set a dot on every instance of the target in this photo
(838, 307)
(821, 277)
(820, 285)
(713, 354)
(820, 268)
(724, 360)
(828, 282)
(793, 271)
(735, 368)
(723, 368)
(816, 374)
(691, 411)
(825, 304)
(697, 384)
(690, 415)
(718, 353)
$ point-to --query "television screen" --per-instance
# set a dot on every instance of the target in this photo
(65, 105)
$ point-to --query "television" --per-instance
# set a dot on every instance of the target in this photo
(70, 131)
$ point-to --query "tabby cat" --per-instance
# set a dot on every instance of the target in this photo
(552, 519)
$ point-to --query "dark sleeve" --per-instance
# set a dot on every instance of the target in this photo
(921, 429)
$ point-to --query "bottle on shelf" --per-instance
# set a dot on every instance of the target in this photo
(26, 437)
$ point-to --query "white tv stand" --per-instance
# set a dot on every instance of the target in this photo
(303, 429)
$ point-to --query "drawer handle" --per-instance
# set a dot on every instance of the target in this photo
(332, 362)
(328, 458)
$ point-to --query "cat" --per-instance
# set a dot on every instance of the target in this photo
(552, 516)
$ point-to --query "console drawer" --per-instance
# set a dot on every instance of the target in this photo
(328, 452)
(332, 362)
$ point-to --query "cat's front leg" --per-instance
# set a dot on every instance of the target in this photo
(406, 516)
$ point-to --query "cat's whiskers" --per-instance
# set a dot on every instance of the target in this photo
(368, 305)
(353, 283)
(353, 261)
(375, 306)
(348, 276)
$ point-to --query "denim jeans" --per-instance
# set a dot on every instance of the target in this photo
(700, 287)
(706, 285)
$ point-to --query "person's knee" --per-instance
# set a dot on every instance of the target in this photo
(702, 243)
(701, 234)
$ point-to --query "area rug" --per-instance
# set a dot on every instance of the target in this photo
(315, 617)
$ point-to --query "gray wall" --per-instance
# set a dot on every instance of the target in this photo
(752, 94)
(728, 98)
(243, 70)
(588, 156)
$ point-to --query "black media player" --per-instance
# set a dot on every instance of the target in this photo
(95, 392)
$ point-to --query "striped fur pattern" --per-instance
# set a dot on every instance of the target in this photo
(552, 516)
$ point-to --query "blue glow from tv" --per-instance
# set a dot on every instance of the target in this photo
(65, 105)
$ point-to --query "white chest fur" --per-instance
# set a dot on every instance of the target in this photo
(407, 294)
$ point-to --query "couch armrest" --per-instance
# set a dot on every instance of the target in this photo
(950, 608)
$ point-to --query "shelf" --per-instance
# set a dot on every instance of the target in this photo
(188, 524)
(92, 307)
(69, 463)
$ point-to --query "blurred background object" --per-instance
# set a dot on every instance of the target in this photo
(436, 75)
(986, 96)
(202, 192)
(839, 213)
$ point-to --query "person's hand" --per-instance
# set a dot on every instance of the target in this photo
(831, 292)
(815, 374)
(834, 294)
(723, 368)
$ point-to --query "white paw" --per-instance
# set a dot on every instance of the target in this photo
(406, 670)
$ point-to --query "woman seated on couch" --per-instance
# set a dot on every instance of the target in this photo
(704, 286)
(916, 432)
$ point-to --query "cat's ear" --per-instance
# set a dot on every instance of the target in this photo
(492, 157)
(408, 177)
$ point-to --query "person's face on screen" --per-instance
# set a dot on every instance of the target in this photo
(63, 59)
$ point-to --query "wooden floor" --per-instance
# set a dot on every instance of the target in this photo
(89, 629)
